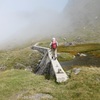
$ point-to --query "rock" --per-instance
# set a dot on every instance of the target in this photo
(98, 79)
(40, 96)
(28, 68)
(19, 66)
(81, 54)
(3, 68)
(73, 57)
(76, 70)
(69, 73)
(39, 61)
(59, 71)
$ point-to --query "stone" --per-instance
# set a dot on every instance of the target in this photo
(38, 96)
(3, 68)
(28, 68)
(76, 70)
(19, 66)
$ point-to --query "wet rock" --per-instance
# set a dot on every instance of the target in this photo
(81, 54)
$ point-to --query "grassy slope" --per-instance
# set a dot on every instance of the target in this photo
(67, 52)
(24, 56)
(61, 56)
(81, 48)
(17, 84)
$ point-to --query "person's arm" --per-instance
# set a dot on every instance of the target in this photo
(57, 43)
(50, 44)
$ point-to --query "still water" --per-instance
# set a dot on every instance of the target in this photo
(88, 60)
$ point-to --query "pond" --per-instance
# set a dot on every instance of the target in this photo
(88, 60)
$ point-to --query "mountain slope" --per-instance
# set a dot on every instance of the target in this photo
(82, 16)
(23, 85)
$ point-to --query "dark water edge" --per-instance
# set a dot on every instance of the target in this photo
(88, 60)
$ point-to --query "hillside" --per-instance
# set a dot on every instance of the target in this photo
(80, 23)
(19, 58)
(82, 18)
(23, 85)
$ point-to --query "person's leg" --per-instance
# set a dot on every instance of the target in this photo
(52, 51)
(55, 53)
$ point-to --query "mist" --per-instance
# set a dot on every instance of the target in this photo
(29, 20)
(82, 15)
(23, 21)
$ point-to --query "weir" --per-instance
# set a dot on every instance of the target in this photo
(48, 63)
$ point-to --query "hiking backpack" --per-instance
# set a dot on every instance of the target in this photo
(54, 45)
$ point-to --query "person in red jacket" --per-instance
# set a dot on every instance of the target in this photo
(53, 46)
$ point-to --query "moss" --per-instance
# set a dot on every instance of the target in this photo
(17, 84)
(24, 56)
(20, 83)
(79, 48)
(64, 56)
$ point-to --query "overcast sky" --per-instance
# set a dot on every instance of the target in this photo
(17, 17)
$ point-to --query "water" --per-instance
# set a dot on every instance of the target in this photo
(88, 60)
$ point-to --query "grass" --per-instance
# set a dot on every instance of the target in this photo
(64, 56)
(21, 84)
(14, 81)
(44, 44)
(95, 53)
(17, 84)
(67, 52)
(79, 48)
(25, 56)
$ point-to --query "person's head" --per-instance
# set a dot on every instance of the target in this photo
(53, 39)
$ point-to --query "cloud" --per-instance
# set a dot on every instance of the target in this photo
(23, 20)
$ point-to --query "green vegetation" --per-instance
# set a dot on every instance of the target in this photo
(45, 44)
(95, 53)
(21, 84)
(64, 56)
(79, 48)
(17, 81)
(25, 56)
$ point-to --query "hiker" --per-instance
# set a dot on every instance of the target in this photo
(53, 46)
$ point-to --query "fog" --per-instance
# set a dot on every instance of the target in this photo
(82, 15)
(29, 20)
(23, 21)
